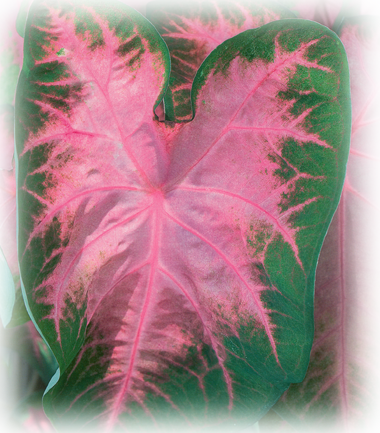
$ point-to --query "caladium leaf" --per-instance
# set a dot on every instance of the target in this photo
(370, 7)
(172, 274)
(325, 12)
(338, 391)
(192, 29)
(29, 417)
(27, 342)
(6, 136)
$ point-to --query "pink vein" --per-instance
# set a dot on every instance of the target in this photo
(107, 98)
(286, 235)
(137, 268)
(250, 94)
(83, 193)
(225, 372)
(157, 208)
(236, 271)
(343, 384)
(310, 137)
(79, 253)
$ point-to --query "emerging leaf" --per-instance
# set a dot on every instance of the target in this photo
(172, 275)
(192, 29)
(339, 389)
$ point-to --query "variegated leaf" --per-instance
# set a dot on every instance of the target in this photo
(172, 274)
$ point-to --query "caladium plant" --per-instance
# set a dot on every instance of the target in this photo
(174, 242)
(171, 270)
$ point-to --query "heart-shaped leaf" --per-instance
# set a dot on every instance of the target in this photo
(192, 29)
(171, 274)
(340, 390)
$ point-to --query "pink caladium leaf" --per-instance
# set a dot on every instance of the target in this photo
(339, 389)
(172, 275)
(192, 29)
(370, 7)
(29, 417)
